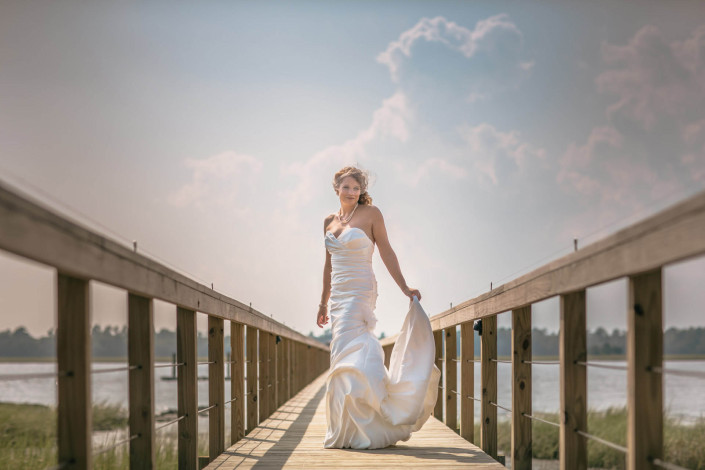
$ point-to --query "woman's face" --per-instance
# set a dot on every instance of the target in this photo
(349, 190)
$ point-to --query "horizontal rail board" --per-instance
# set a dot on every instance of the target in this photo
(672, 235)
(34, 232)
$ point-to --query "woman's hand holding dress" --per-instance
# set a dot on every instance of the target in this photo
(322, 318)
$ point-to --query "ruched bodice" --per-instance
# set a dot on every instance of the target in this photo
(368, 406)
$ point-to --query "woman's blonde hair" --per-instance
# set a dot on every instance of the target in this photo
(362, 178)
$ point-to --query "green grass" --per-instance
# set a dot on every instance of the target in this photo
(28, 438)
(682, 442)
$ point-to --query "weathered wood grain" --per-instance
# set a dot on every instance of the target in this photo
(521, 389)
(264, 378)
(187, 390)
(644, 386)
(451, 372)
(467, 381)
(488, 412)
(73, 355)
(237, 381)
(216, 387)
(140, 352)
(573, 349)
(30, 230)
(438, 340)
(292, 438)
(252, 381)
(674, 234)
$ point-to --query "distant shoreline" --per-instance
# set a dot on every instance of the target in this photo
(95, 359)
(669, 357)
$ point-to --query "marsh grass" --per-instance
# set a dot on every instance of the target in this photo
(683, 443)
(28, 438)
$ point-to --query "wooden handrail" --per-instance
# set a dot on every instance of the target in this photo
(32, 231)
(672, 235)
(79, 255)
(638, 252)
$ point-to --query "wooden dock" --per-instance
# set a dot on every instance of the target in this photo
(292, 437)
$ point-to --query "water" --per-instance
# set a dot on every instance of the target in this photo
(111, 387)
(684, 396)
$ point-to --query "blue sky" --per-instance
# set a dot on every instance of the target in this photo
(495, 132)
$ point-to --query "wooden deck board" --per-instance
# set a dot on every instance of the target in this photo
(293, 438)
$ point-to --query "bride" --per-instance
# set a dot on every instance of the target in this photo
(368, 406)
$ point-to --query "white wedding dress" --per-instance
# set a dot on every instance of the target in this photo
(368, 406)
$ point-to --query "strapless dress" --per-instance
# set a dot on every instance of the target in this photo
(367, 405)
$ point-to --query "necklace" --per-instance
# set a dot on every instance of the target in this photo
(349, 217)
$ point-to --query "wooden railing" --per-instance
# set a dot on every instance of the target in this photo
(287, 360)
(638, 252)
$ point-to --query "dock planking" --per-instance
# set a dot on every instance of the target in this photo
(292, 437)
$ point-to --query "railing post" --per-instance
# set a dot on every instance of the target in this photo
(271, 382)
(237, 385)
(286, 366)
(73, 354)
(140, 351)
(263, 375)
(467, 382)
(252, 383)
(573, 349)
(216, 388)
(644, 361)
(281, 372)
(451, 366)
(300, 364)
(294, 367)
(438, 340)
(187, 390)
(488, 412)
(521, 388)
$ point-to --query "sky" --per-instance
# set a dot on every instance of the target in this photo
(494, 133)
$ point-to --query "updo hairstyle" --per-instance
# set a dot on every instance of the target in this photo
(361, 176)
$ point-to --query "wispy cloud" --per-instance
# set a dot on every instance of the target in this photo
(653, 79)
(659, 90)
(574, 172)
(391, 120)
(222, 179)
(429, 167)
(497, 155)
(497, 37)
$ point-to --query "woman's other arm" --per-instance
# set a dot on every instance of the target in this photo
(379, 231)
(322, 317)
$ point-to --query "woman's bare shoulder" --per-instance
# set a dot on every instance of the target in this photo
(373, 210)
(327, 221)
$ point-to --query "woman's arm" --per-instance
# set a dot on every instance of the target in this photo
(326, 279)
(379, 231)
(322, 317)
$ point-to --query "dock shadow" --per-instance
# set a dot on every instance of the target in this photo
(294, 434)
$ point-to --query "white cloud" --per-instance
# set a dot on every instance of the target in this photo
(390, 120)
(497, 155)
(694, 158)
(432, 165)
(222, 179)
(606, 170)
(497, 37)
(655, 80)
(655, 140)
(574, 166)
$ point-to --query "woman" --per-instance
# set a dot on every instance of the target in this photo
(368, 406)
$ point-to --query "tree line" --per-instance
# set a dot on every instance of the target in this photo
(111, 342)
